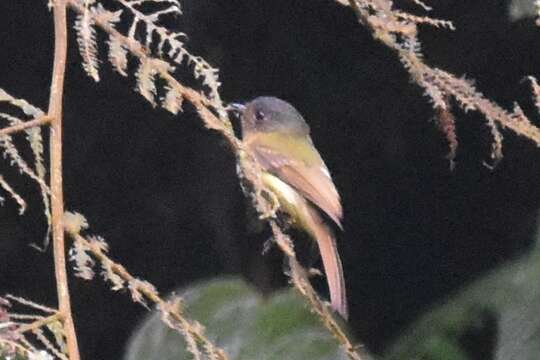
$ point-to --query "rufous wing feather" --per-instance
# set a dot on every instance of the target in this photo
(312, 181)
(316, 185)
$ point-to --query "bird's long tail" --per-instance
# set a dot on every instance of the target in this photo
(331, 262)
(307, 217)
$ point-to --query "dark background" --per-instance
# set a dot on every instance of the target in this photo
(163, 192)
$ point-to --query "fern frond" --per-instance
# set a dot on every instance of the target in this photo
(35, 139)
(18, 199)
(86, 38)
(108, 274)
(190, 341)
(173, 100)
(83, 263)
(142, 291)
(52, 348)
(102, 14)
(439, 23)
(138, 288)
(11, 151)
(22, 104)
(174, 44)
(447, 125)
(535, 91)
(423, 5)
(118, 55)
(146, 77)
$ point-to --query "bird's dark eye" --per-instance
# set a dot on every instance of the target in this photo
(259, 115)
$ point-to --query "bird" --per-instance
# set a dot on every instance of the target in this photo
(278, 138)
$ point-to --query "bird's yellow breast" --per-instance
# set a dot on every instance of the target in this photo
(287, 196)
(290, 201)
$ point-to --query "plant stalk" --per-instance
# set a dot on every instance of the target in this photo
(57, 193)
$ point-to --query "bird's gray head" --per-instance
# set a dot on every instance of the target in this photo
(270, 114)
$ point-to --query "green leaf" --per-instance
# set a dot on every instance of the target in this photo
(495, 317)
(243, 323)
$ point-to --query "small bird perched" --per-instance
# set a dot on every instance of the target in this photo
(278, 137)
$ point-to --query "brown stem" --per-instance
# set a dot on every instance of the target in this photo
(38, 323)
(26, 125)
(57, 195)
(151, 294)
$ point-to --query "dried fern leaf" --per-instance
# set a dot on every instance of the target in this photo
(83, 262)
(423, 5)
(174, 42)
(11, 152)
(35, 354)
(35, 139)
(146, 76)
(108, 274)
(22, 104)
(74, 222)
(31, 304)
(56, 328)
(86, 38)
(49, 345)
(447, 125)
(118, 55)
(173, 100)
(535, 89)
(439, 23)
(18, 199)
(138, 288)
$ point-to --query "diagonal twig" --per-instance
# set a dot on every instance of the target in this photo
(44, 120)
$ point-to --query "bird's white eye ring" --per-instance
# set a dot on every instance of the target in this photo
(259, 115)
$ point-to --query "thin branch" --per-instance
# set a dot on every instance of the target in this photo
(300, 281)
(38, 324)
(26, 125)
(31, 304)
(141, 288)
(57, 194)
(385, 27)
(17, 316)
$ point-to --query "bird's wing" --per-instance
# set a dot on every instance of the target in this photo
(312, 181)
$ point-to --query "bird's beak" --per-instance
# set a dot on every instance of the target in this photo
(236, 107)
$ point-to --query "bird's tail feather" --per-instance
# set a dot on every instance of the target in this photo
(331, 262)
(308, 218)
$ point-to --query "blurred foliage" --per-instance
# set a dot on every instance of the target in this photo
(242, 322)
(519, 9)
(495, 317)
(9, 356)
